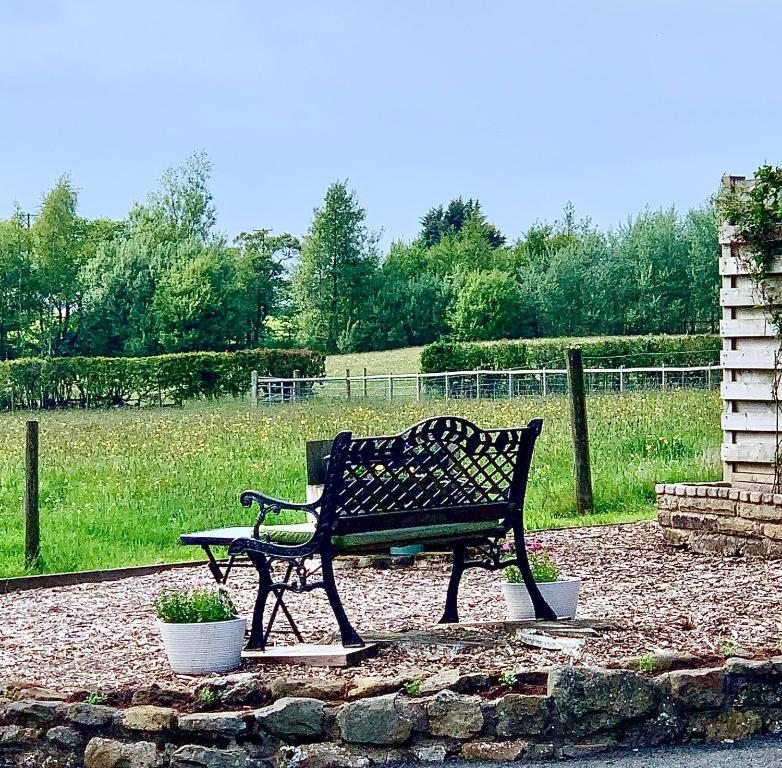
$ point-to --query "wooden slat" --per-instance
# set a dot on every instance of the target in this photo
(757, 453)
(730, 265)
(744, 296)
(748, 360)
(739, 390)
(756, 328)
(751, 422)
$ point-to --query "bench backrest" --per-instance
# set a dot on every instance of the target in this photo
(440, 471)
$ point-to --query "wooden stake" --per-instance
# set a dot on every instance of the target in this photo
(578, 421)
(32, 526)
(254, 388)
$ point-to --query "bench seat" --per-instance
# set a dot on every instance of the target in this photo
(301, 533)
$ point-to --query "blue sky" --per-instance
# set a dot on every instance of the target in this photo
(525, 105)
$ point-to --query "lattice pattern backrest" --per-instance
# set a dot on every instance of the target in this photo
(440, 462)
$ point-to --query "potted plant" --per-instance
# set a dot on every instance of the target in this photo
(200, 629)
(560, 592)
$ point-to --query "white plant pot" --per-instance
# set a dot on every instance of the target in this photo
(198, 649)
(561, 595)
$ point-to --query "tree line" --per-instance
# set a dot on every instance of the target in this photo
(165, 279)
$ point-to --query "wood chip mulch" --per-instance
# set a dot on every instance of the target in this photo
(103, 636)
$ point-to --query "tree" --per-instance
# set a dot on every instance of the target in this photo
(261, 271)
(197, 305)
(17, 300)
(334, 279)
(489, 306)
(182, 208)
(438, 223)
(57, 237)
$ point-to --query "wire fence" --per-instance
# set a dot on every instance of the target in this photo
(480, 385)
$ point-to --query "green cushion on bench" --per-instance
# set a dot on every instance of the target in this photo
(398, 536)
(296, 533)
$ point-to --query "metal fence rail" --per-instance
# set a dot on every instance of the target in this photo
(480, 384)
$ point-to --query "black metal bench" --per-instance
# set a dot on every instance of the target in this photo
(442, 483)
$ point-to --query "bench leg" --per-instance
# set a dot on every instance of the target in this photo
(451, 613)
(542, 608)
(257, 641)
(350, 638)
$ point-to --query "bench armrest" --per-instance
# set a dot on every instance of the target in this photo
(269, 505)
(272, 549)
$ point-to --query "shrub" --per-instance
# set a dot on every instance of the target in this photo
(598, 352)
(194, 606)
(115, 381)
(544, 569)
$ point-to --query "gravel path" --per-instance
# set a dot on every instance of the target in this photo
(103, 635)
(758, 753)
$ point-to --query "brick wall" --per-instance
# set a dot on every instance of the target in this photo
(715, 518)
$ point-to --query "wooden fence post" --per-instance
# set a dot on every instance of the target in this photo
(32, 527)
(418, 387)
(446, 386)
(254, 388)
(545, 383)
(364, 383)
(347, 383)
(621, 379)
(390, 386)
(578, 421)
(477, 385)
(296, 391)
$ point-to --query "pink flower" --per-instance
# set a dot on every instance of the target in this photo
(534, 546)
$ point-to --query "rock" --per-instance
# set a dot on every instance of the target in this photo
(196, 756)
(748, 667)
(29, 711)
(543, 751)
(494, 751)
(696, 689)
(472, 682)
(226, 724)
(727, 726)
(62, 736)
(590, 700)
(107, 753)
(90, 714)
(160, 697)
(147, 718)
(659, 662)
(319, 756)
(18, 691)
(445, 678)
(310, 688)
(455, 715)
(243, 689)
(414, 710)
(14, 735)
(293, 718)
(522, 715)
(373, 721)
(430, 753)
(580, 751)
(364, 687)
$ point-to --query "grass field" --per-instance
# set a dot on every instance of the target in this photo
(406, 360)
(118, 487)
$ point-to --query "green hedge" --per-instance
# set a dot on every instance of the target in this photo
(116, 381)
(598, 352)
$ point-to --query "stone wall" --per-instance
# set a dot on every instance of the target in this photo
(581, 711)
(716, 518)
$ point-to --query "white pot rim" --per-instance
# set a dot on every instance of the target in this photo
(561, 580)
(162, 623)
